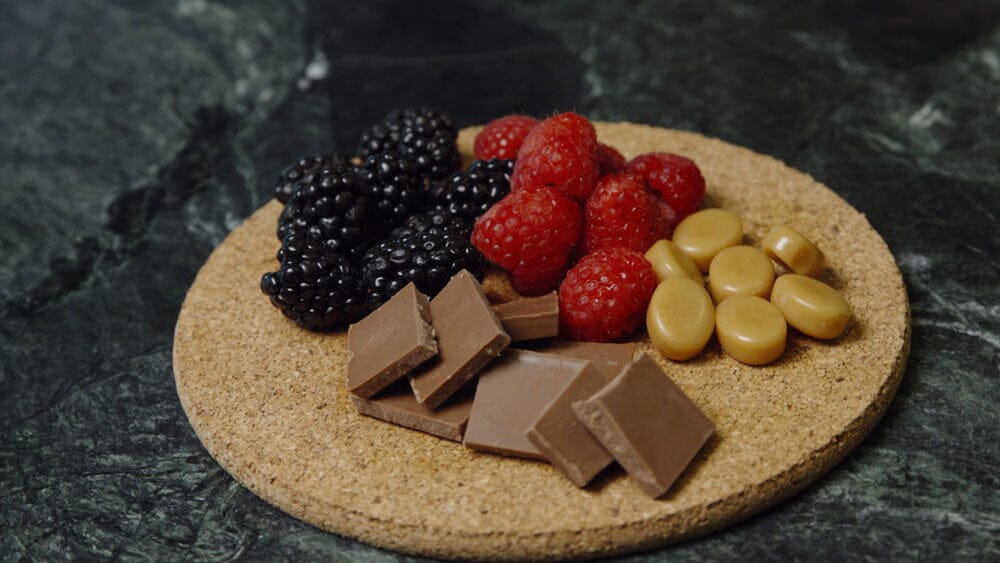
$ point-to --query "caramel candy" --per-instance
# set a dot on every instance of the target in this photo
(703, 234)
(680, 318)
(750, 329)
(793, 251)
(740, 270)
(811, 306)
(669, 261)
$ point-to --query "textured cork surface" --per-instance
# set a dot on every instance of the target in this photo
(268, 399)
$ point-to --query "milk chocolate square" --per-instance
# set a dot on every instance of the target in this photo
(563, 439)
(647, 423)
(469, 335)
(512, 393)
(610, 358)
(390, 342)
(530, 318)
(398, 406)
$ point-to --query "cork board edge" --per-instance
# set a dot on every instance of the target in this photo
(629, 537)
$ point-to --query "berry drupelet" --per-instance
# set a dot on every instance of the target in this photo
(472, 192)
(333, 208)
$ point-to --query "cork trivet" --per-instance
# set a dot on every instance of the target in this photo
(268, 399)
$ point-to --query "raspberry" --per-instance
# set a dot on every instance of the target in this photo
(605, 295)
(531, 233)
(675, 177)
(621, 213)
(560, 152)
(501, 138)
(609, 159)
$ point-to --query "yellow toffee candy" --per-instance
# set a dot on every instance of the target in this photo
(811, 306)
(680, 318)
(793, 251)
(703, 234)
(669, 261)
(740, 270)
(750, 329)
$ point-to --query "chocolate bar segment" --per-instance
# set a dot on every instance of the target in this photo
(610, 358)
(512, 392)
(469, 335)
(563, 439)
(530, 318)
(390, 342)
(647, 423)
(398, 406)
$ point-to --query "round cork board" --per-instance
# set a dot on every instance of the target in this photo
(268, 400)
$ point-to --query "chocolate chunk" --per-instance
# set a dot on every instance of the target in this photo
(512, 392)
(398, 406)
(530, 318)
(390, 342)
(563, 440)
(469, 335)
(647, 424)
(609, 358)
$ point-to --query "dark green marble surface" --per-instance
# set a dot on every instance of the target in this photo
(134, 135)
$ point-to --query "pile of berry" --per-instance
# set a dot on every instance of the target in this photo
(356, 229)
(575, 199)
(544, 200)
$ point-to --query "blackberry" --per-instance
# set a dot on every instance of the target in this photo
(296, 246)
(436, 156)
(472, 192)
(318, 290)
(425, 135)
(394, 186)
(435, 221)
(332, 207)
(290, 177)
(427, 259)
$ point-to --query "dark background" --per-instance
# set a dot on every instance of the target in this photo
(134, 135)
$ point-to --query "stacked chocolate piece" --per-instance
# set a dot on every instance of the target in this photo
(443, 366)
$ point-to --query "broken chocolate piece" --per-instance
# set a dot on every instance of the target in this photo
(563, 440)
(390, 342)
(469, 335)
(530, 318)
(647, 423)
(610, 358)
(398, 406)
(512, 392)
